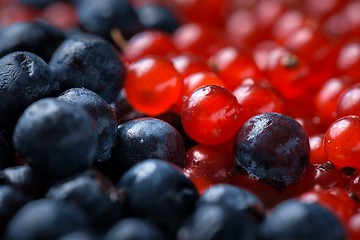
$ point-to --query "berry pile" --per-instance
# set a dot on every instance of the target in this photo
(168, 119)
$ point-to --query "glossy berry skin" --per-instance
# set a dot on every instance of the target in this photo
(212, 163)
(341, 142)
(327, 97)
(37, 37)
(288, 73)
(147, 43)
(348, 102)
(55, 138)
(233, 66)
(135, 229)
(24, 79)
(78, 235)
(94, 195)
(11, 201)
(258, 97)
(211, 115)
(349, 59)
(317, 151)
(170, 196)
(272, 147)
(195, 81)
(146, 138)
(24, 179)
(152, 85)
(293, 219)
(188, 63)
(200, 39)
(88, 61)
(157, 16)
(101, 17)
(103, 115)
(218, 222)
(200, 79)
(232, 197)
(45, 219)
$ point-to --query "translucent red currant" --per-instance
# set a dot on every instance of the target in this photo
(211, 115)
(152, 85)
(342, 141)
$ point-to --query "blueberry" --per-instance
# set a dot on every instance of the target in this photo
(134, 229)
(11, 201)
(146, 138)
(37, 37)
(272, 147)
(56, 138)
(215, 222)
(101, 17)
(293, 219)
(24, 179)
(45, 219)
(88, 61)
(93, 194)
(156, 16)
(24, 79)
(158, 191)
(79, 235)
(101, 112)
(232, 197)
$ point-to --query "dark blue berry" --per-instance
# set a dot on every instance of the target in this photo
(102, 17)
(293, 219)
(45, 219)
(232, 197)
(24, 179)
(101, 112)
(24, 79)
(79, 235)
(37, 37)
(134, 229)
(93, 194)
(272, 147)
(159, 17)
(11, 201)
(88, 61)
(146, 138)
(215, 222)
(56, 138)
(158, 191)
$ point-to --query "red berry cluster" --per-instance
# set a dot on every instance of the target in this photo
(299, 58)
(231, 60)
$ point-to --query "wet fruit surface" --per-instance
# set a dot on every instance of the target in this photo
(272, 147)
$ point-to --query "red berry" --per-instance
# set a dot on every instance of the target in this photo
(233, 67)
(211, 115)
(342, 141)
(149, 43)
(152, 85)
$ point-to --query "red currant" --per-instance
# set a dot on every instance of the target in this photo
(233, 67)
(211, 115)
(149, 43)
(342, 141)
(152, 85)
